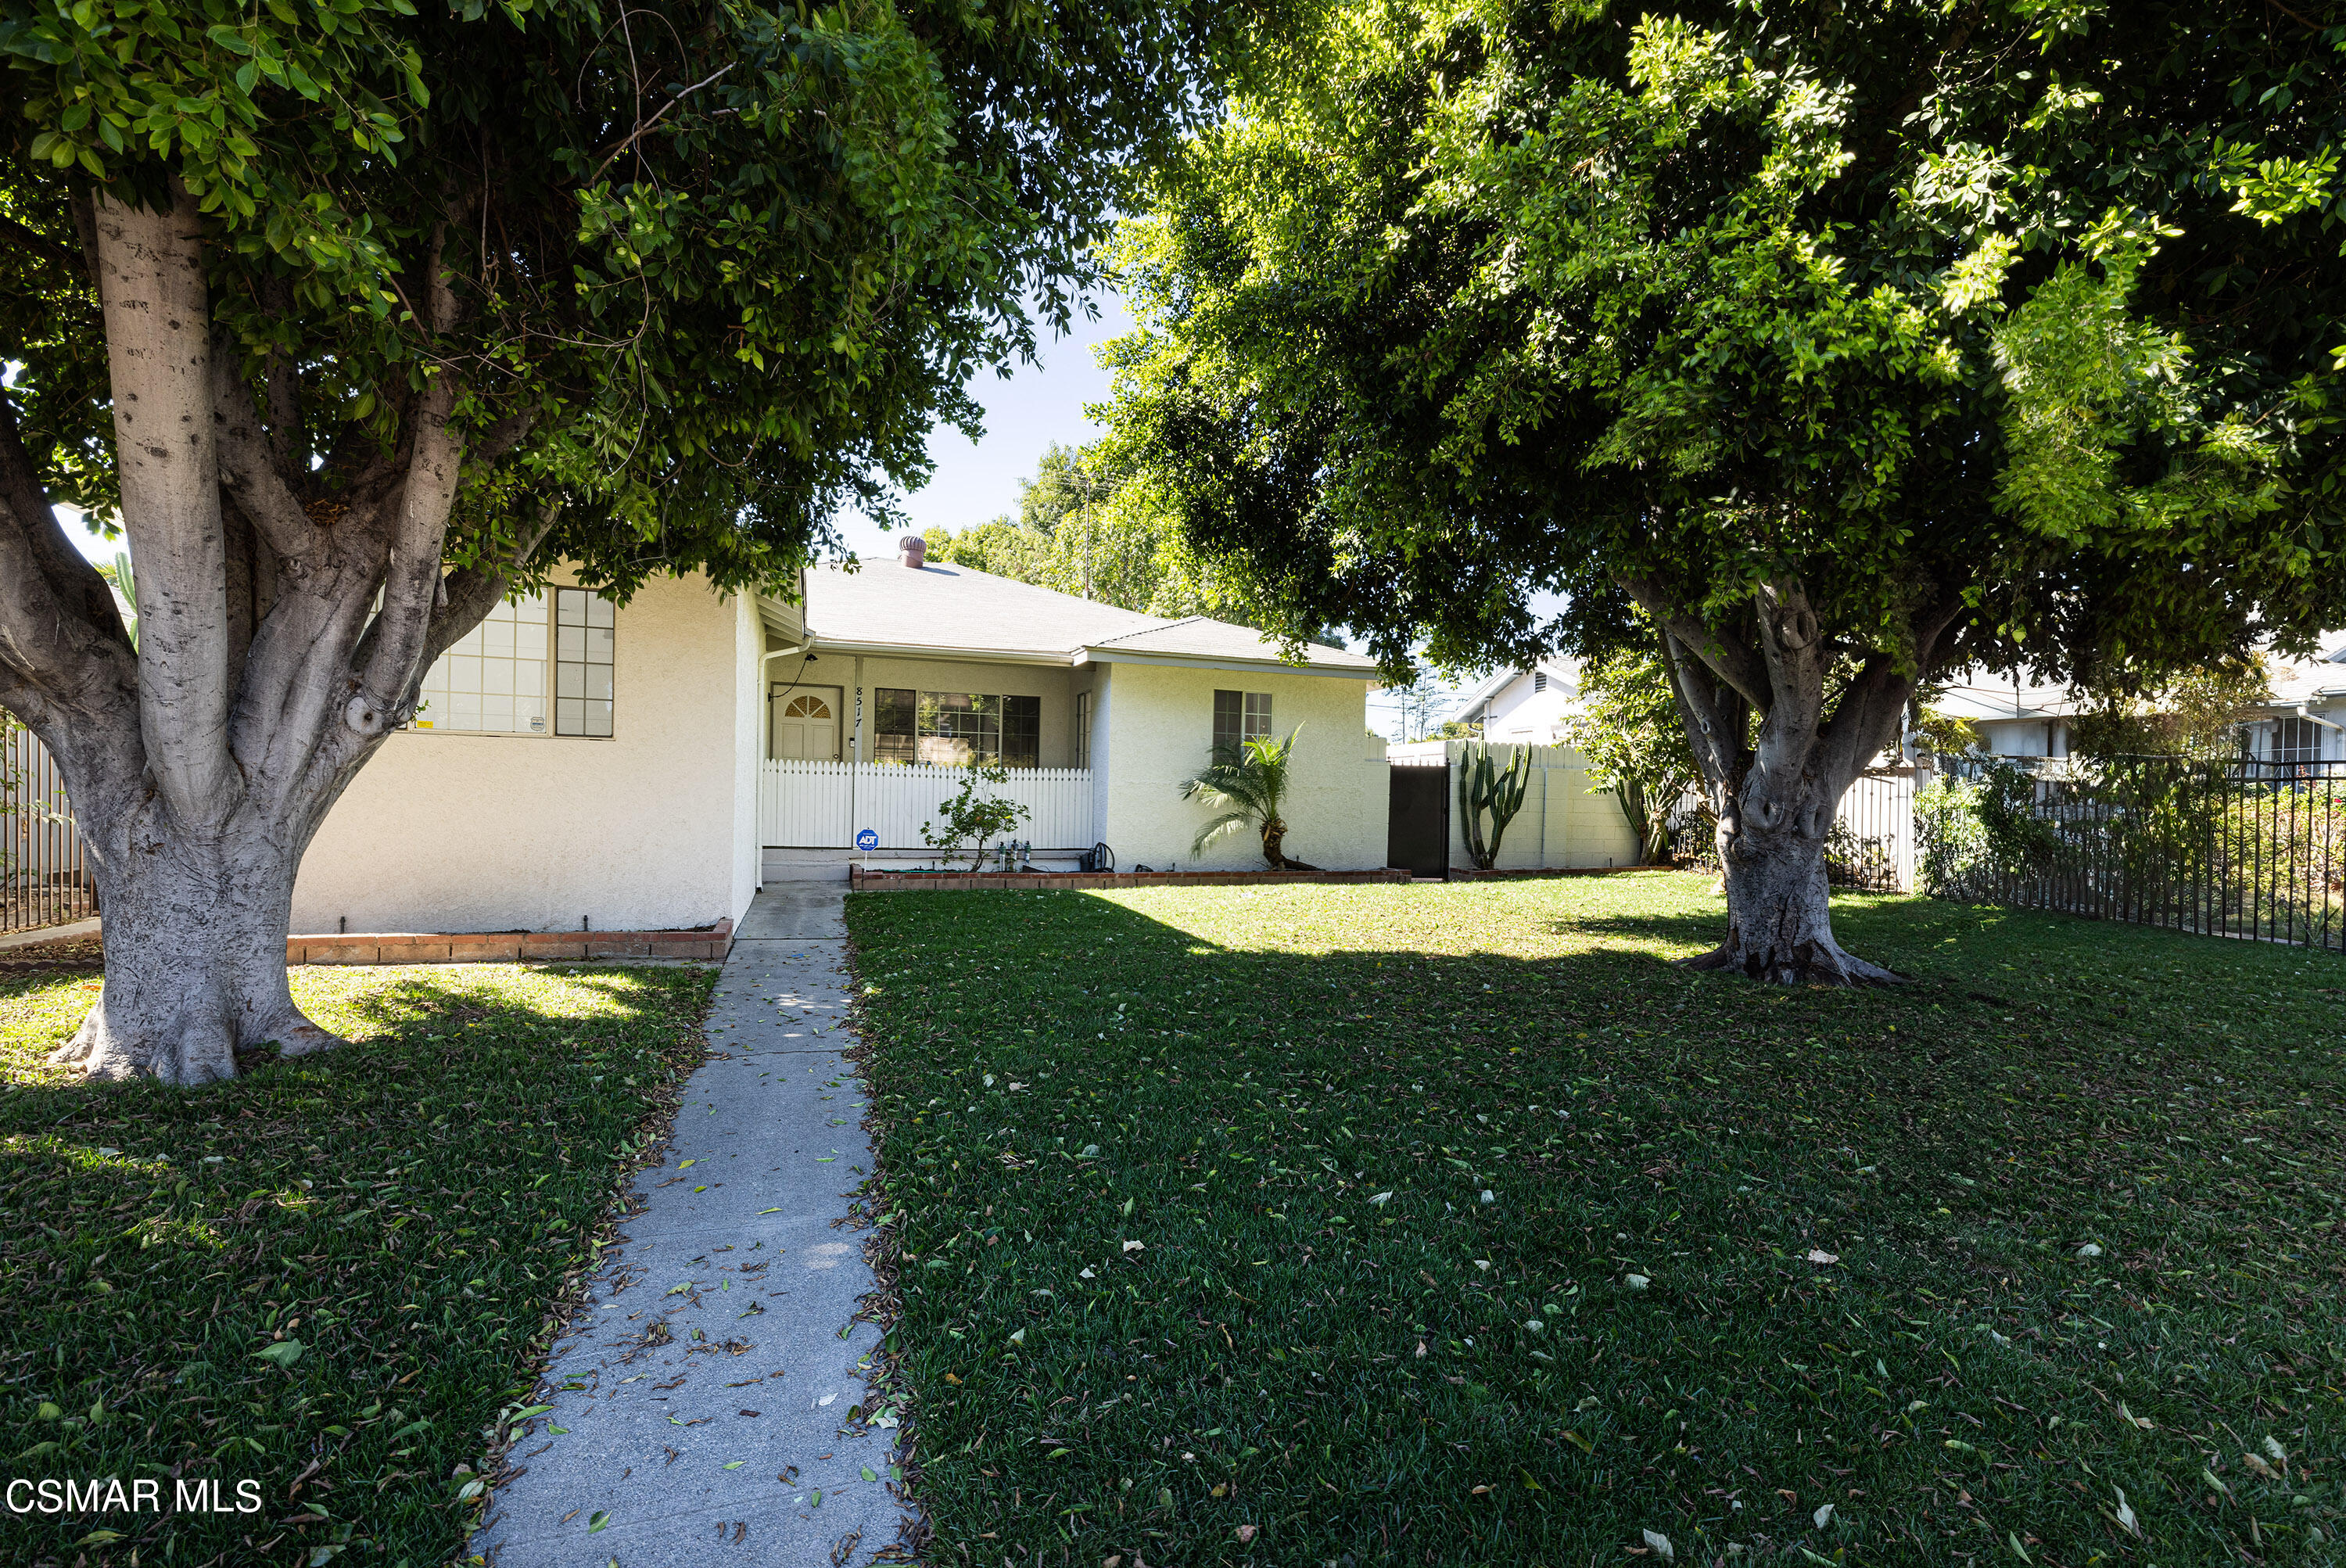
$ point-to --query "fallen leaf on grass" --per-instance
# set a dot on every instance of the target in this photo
(1818, 1255)
(1660, 1544)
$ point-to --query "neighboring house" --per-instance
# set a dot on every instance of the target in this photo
(2306, 720)
(647, 765)
(2014, 719)
(1524, 707)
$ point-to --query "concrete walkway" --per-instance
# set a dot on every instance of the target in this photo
(700, 1409)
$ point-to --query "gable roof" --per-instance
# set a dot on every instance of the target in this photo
(942, 610)
(1488, 688)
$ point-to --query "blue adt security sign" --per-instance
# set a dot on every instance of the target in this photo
(867, 840)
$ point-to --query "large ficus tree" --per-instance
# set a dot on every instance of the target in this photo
(1850, 344)
(357, 314)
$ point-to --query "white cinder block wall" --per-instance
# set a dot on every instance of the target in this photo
(1158, 729)
(499, 832)
(1564, 823)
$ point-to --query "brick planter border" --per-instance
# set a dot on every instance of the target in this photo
(1472, 874)
(507, 947)
(862, 882)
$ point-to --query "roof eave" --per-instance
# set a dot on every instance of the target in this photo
(939, 651)
(1095, 653)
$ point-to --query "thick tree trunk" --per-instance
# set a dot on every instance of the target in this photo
(1776, 784)
(1779, 917)
(195, 959)
(276, 650)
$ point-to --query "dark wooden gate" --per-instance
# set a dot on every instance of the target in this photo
(1417, 823)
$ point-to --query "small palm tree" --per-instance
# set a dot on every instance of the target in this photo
(1251, 778)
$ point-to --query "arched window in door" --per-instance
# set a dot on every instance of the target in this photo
(805, 726)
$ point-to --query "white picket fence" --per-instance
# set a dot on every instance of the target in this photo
(823, 805)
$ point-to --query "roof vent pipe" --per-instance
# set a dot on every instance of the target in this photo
(911, 551)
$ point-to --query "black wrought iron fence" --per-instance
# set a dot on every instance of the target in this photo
(2242, 848)
(44, 879)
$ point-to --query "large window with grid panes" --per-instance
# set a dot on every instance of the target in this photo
(954, 728)
(541, 663)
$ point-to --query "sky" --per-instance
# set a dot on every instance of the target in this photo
(1040, 402)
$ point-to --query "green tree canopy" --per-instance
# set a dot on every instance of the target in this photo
(1852, 345)
(1629, 730)
(359, 314)
(1124, 546)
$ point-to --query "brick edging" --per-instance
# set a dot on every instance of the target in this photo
(861, 881)
(1471, 875)
(507, 947)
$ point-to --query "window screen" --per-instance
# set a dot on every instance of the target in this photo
(893, 723)
(582, 663)
(2296, 740)
(1241, 715)
(1021, 731)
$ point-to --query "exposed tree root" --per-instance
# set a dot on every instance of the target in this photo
(1808, 962)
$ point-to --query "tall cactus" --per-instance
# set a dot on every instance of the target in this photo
(1482, 787)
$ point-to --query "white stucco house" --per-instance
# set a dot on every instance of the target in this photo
(1525, 706)
(581, 764)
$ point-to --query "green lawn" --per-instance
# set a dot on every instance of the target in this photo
(1925, 1275)
(327, 1278)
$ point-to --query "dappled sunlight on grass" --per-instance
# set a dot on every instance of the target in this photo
(1450, 1224)
(390, 1222)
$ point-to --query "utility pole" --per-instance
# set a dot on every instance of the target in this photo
(1085, 476)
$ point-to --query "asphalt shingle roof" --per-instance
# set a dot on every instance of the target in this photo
(953, 609)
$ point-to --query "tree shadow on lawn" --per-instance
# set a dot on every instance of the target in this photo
(404, 1209)
(1945, 1375)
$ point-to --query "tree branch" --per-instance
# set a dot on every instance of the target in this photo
(391, 652)
(471, 594)
(63, 649)
(635, 135)
(1717, 718)
(158, 353)
(249, 466)
(288, 441)
(35, 243)
(502, 437)
(1735, 663)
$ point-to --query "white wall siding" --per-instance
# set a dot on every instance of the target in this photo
(823, 805)
(445, 830)
(1160, 731)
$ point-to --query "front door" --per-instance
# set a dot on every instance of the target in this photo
(806, 723)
